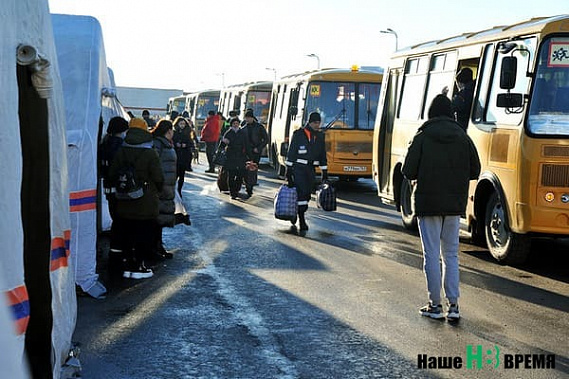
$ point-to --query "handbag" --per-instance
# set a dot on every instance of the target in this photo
(220, 156)
(326, 197)
(223, 180)
(286, 203)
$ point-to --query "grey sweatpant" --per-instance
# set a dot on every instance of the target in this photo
(439, 237)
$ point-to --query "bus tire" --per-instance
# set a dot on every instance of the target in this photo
(406, 206)
(505, 246)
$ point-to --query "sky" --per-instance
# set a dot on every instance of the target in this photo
(206, 44)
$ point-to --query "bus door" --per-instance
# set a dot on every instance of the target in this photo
(386, 129)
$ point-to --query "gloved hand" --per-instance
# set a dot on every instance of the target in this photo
(290, 177)
(324, 176)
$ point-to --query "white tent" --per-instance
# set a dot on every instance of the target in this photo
(35, 227)
(90, 102)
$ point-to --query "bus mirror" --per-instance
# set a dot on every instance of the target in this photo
(284, 149)
(508, 72)
(293, 110)
(509, 100)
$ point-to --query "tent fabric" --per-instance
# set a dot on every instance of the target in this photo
(28, 22)
(89, 104)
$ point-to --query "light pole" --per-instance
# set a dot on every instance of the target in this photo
(391, 31)
(222, 79)
(314, 56)
(274, 70)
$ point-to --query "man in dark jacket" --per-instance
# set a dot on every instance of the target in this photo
(307, 149)
(462, 100)
(442, 160)
(238, 152)
(138, 215)
(258, 139)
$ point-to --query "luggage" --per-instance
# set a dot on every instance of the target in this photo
(223, 180)
(326, 197)
(286, 203)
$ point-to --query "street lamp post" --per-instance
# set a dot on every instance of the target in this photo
(391, 31)
(222, 74)
(315, 56)
(274, 70)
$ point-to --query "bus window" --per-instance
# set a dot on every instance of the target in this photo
(282, 102)
(524, 53)
(259, 101)
(368, 97)
(549, 105)
(413, 87)
(334, 101)
(441, 76)
(483, 83)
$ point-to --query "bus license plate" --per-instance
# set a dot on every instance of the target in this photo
(355, 168)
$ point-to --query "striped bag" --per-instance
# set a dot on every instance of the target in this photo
(286, 203)
(326, 197)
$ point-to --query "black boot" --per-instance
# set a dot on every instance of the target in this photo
(302, 221)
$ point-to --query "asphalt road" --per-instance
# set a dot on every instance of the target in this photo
(247, 297)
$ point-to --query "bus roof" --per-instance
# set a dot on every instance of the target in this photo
(533, 25)
(252, 85)
(331, 72)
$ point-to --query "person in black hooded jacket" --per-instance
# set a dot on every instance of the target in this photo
(442, 159)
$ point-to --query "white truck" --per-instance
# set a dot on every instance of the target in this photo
(135, 99)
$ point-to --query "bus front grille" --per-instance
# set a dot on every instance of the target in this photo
(553, 175)
(555, 151)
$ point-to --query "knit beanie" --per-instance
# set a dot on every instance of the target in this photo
(138, 123)
(117, 125)
(314, 116)
(441, 106)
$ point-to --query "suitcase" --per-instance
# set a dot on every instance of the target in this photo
(286, 203)
(326, 197)
(223, 180)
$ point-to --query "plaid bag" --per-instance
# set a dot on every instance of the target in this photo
(286, 203)
(326, 197)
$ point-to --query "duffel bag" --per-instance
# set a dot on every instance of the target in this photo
(286, 203)
(326, 197)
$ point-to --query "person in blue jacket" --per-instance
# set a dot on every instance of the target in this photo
(306, 151)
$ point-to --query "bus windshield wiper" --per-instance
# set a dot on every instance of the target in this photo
(336, 118)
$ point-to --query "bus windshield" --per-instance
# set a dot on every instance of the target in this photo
(259, 102)
(549, 110)
(338, 103)
(206, 104)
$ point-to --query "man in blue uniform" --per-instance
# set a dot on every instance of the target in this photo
(307, 150)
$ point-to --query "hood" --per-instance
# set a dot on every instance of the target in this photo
(135, 136)
(442, 130)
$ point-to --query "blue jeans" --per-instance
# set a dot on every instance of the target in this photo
(439, 236)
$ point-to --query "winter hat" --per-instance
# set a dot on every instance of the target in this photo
(464, 75)
(314, 116)
(117, 125)
(234, 119)
(138, 123)
(249, 114)
(441, 106)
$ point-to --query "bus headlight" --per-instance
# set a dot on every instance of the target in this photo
(565, 198)
(549, 197)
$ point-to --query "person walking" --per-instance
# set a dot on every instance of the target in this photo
(442, 159)
(137, 160)
(183, 145)
(210, 135)
(307, 150)
(258, 139)
(238, 152)
(162, 134)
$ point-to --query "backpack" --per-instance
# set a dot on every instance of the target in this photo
(127, 188)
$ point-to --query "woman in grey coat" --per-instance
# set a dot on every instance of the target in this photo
(162, 135)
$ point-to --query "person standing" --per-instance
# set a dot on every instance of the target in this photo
(149, 121)
(462, 100)
(210, 135)
(238, 152)
(442, 159)
(184, 146)
(258, 139)
(307, 150)
(138, 157)
(162, 134)
(112, 142)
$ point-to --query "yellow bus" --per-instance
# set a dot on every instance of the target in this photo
(519, 122)
(239, 97)
(198, 104)
(347, 101)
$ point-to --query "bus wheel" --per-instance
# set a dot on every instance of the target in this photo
(406, 206)
(504, 245)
